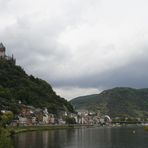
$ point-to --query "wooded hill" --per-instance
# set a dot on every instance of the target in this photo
(116, 102)
(16, 85)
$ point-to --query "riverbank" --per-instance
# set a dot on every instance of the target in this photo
(106, 137)
(6, 133)
(20, 129)
(5, 139)
(146, 128)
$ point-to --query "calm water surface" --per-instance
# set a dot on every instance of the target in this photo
(121, 137)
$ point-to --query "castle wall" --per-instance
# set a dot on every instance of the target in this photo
(2, 54)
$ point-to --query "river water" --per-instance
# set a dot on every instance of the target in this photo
(104, 137)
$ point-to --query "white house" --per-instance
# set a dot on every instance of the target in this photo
(22, 120)
(34, 120)
(51, 119)
(45, 119)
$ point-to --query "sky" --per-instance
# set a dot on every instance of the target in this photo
(80, 47)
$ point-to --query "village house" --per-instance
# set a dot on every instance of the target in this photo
(52, 119)
(22, 120)
(26, 115)
(45, 119)
(45, 116)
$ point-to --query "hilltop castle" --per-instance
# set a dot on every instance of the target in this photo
(3, 55)
(2, 50)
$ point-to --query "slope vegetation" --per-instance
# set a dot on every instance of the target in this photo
(115, 102)
(16, 85)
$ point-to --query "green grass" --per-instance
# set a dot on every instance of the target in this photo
(5, 140)
(16, 130)
(146, 128)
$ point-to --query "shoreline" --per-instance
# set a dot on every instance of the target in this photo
(21, 129)
(146, 128)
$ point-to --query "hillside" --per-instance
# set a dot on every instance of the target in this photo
(116, 102)
(16, 85)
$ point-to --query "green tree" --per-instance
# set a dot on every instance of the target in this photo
(69, 120)
(5, 141)
(6, 118)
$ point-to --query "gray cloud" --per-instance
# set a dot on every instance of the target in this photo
(79, 47)
(133, 75)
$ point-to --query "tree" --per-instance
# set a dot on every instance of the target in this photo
(6, 118)
(5, 141)
(70, 120)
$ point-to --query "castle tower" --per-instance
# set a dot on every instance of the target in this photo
(2, 50)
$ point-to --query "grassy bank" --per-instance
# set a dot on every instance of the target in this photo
(16, 130)
(5, 140)
(146, 128)
(6, 133)
(21, 129)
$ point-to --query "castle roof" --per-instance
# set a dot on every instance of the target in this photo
(2, 47)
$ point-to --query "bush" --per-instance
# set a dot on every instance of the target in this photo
(70, 120)
(5, 141)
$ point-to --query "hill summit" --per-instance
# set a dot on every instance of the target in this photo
(16, 86)
(120, 101)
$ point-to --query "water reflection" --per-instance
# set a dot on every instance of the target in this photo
(45, 139)
(84, 138)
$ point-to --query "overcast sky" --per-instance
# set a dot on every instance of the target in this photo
(79, 46)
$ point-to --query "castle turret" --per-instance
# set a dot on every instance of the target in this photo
(2, 50)
(3, 56)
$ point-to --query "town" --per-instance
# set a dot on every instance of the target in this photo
(30, 115)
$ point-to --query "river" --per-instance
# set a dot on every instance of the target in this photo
(103, 137)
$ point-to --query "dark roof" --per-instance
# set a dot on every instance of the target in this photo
(2, 46)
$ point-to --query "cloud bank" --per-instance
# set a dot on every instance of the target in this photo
(79, 46)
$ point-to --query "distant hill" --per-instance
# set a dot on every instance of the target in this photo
(16, 85)
(115, 102)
